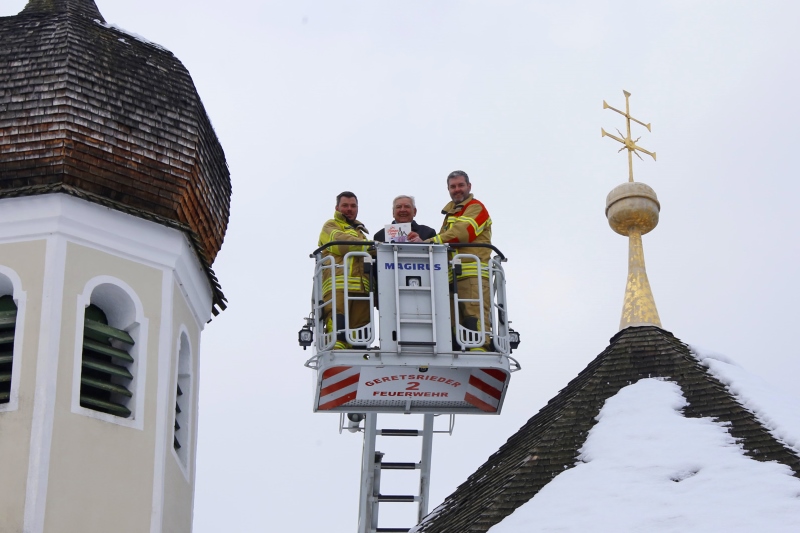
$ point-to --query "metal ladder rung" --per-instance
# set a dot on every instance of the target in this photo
(393, 530)
(399, 466)
(412, 254)
(396, 498)
(415, 321)
(398, 432)
(425, 288)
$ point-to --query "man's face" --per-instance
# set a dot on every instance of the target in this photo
(458, 188)
(348, 207)
(403, 210)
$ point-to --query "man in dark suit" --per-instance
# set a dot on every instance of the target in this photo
(404, 210)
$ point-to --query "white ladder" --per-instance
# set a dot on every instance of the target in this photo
(372, 464)
(429, 289)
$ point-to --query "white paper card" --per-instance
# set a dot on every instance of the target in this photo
(397, 232)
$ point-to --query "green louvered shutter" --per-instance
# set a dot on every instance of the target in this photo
(177, 427)
(105, 374)
(8, 322)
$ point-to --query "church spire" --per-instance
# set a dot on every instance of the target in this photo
(632, 210)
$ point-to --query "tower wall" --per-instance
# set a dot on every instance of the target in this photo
(179, 473)
(23, 261)
(67, 467)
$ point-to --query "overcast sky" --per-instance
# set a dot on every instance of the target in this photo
(312, 97)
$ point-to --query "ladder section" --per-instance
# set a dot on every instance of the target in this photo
(372, 466)
(416, 321)
(414, 299)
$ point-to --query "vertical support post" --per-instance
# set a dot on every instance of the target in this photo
(431, 272)
(397, 299)
(425, 466)
(366, 521)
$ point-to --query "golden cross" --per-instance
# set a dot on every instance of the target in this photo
(627, 141)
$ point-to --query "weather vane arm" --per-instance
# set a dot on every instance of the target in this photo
(604, 133)
(626, 115)
(651, 154)
(627, 141)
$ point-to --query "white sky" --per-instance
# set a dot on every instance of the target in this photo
(312, 97)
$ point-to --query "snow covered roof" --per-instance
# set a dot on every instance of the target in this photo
(646, 438)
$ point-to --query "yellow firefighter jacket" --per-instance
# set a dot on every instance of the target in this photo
(464, 222)
(339, 229)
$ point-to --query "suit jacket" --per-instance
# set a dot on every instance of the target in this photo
(424, 232)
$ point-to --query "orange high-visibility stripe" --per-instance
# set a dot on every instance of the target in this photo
(480, 404)
(339, 401)
(485, 387)
(499, 375)
(333, 371)
(339, 385)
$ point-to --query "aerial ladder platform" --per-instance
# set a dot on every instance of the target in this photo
(412, 357)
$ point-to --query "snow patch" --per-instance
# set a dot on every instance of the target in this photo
(646, 467)
(778, 411)
(130, 33)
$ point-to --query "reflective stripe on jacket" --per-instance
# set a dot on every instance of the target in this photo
(339, 229)
(466, 222)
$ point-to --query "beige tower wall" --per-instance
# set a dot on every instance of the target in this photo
(27, 260)
(66, 468)
(179, 478)
(101, 473)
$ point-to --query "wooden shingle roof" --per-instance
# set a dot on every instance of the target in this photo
(89, 109)
(549, 442)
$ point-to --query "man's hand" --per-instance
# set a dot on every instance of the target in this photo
(414, 237)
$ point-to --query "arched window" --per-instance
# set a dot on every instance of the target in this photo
(105, 374)
(12, 311)
(110, 362)
(8, 323)
(183, 396)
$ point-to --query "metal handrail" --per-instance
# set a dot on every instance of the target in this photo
(371, 245)
(475, 245)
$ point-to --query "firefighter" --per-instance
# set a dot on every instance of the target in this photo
(467, 221)
(345, 227)
(404, 209)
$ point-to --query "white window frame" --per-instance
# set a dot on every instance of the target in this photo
(135, 323)
(11, 284)
(184, 374)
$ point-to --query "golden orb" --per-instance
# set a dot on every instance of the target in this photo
(632, 208)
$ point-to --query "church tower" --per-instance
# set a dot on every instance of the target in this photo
(114, 201)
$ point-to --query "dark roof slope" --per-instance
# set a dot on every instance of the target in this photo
(94, 109)
(548, 443)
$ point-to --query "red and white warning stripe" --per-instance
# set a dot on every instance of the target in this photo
(485, 388)
(339, 386)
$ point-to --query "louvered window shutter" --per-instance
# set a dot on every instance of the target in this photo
(105, 374)
(178, 433)
(8, 322)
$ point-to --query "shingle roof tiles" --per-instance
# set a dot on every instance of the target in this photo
(549, 442)
(100, 111)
